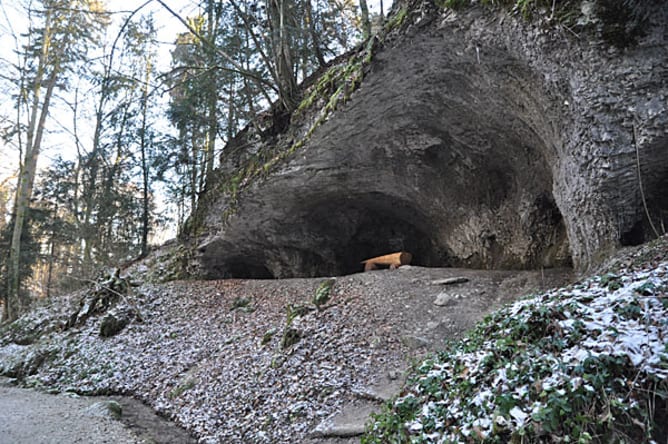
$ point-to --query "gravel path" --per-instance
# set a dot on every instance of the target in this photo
(27, 416)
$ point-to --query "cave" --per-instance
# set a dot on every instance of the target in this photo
(369, 225)
(446, 158)
(329, 231)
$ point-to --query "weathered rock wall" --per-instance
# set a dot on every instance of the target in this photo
(476, 139)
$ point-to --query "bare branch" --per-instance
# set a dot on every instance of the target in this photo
(239, 69)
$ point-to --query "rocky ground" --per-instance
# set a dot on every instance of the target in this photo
(257, 360)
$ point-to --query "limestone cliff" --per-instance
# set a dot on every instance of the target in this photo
(476, 138)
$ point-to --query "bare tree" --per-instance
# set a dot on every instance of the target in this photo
(59, 38)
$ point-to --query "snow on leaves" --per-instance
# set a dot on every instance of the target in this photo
(575, 362)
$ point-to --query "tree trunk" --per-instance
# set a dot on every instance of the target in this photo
(143, 146)
(366, 22)
(280, 22)
(52, 253)
(212, 94)
(314, 34)
(14, 303)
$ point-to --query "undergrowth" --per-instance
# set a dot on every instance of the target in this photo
(582, 365)
(525, 7)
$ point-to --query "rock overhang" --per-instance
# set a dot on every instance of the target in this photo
(464, 153)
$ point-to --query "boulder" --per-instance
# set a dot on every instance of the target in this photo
(116, 320)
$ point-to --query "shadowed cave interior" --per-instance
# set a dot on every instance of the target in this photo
(337, 234)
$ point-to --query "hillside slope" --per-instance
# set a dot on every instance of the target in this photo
(586, 363)
(255, 360)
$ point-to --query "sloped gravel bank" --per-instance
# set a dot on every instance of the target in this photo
(256, 361)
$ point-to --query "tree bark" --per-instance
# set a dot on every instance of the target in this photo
(144, 163)
(280, 21)
(366, 22)
(212, 94)
(14, 303)
(314, 34)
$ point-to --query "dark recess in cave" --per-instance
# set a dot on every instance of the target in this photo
(634, 236)
(655, 190)
(243, 268)
(371, 225)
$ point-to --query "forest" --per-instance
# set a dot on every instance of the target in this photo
(107, 145)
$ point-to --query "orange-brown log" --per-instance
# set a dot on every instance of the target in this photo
(393, 260)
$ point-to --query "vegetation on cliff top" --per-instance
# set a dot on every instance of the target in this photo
(618, 22)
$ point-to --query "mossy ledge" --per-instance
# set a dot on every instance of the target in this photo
(321, 97)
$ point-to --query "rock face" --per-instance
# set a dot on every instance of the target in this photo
(476, 139)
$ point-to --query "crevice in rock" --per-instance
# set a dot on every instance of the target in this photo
(655, 182)
(654, 177)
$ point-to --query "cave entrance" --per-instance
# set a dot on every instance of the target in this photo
(351, 230)
(247, 269)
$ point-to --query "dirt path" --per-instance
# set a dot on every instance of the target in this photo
(28, 416)
(31, 417)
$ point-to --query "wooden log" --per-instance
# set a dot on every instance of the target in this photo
(393, 260)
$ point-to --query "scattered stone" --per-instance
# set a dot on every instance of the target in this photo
(348, 423)
(415, 342)
(394, 375)
(116, 320)
(381, 392)
(444, 299)
(450, 281)
(105, 409)
(338, 431)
